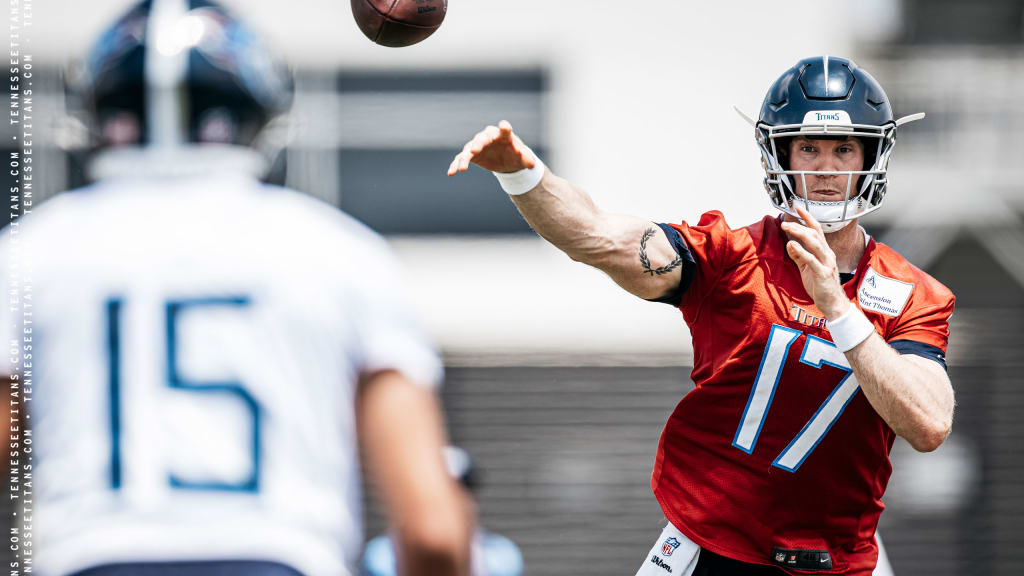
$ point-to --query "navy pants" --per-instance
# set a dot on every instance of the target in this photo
(711, 564)
(219, 568)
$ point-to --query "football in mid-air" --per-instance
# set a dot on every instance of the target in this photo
(397, 23)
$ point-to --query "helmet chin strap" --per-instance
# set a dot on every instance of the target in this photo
(827, 213)
(827, 228)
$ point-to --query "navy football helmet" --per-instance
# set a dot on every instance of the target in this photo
(172, 73)
(827, 97)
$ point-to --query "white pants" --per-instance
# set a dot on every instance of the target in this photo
(673, 553)
(882, 568)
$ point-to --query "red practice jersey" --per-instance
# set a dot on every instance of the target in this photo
(777, 448)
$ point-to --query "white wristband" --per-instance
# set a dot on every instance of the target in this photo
(850, 329)
(521, 182)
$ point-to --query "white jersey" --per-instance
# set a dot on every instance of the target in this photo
(197, 348)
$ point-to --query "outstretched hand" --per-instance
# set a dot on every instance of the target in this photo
(496, 149)
(817, 263)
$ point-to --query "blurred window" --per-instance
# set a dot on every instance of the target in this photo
(399, 132)
(960, 22)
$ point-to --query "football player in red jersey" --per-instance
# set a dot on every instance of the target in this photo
(814, 345)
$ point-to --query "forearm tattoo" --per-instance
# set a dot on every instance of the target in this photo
(646, 262)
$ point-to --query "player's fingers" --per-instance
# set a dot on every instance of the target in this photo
(477, 145)
(808, 219)
(468, 152)
(797, 254)
(810, 240)
(485, 138)
(456, 165)
(524, 153)
(803, 258)
(481, 139)
(505, 128)
(798, 230)
(459, 161)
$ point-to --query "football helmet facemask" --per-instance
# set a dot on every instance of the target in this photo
(827, 97)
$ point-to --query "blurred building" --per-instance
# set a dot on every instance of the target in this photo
(961, 509)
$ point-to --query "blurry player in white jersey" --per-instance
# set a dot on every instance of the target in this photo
(211, 352)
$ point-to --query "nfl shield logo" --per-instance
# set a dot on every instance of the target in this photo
(669, 546)
(780, 556)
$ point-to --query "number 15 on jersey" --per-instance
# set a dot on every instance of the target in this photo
(174, 379)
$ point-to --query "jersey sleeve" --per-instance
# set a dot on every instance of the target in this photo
(926, 318)
(918, 349)
(389, 332)
(709, 247)
(687, 270)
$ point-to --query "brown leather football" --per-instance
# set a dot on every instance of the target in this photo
(397, 23)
